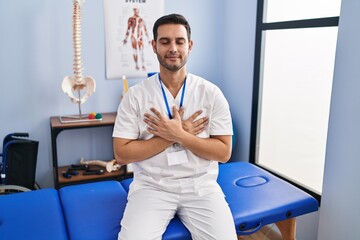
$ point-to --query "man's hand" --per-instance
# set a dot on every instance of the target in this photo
(192, 126)
(216, 148)
(162, 126)
(171, 128)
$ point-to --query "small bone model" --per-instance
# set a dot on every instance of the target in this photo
(110, 166)
(78, 82)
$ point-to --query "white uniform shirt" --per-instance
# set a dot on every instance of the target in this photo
(197, 175)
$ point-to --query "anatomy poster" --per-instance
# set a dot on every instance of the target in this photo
(128, 35)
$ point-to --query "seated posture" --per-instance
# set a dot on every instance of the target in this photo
(174, 127)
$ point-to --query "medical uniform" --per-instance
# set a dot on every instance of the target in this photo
(162, 188)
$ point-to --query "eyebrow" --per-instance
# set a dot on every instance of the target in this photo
(176, 39)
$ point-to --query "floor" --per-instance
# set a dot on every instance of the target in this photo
(266, 233)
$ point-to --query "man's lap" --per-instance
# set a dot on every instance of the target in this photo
(149, 211)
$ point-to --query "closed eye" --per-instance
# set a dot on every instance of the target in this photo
(164, 41)
(180, 41)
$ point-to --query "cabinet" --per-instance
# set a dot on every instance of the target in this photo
(108, 119)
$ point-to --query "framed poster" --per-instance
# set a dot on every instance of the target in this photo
(128, 35)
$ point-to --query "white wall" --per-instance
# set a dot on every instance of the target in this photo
(339, 214)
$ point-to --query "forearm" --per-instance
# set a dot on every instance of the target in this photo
(128, 151)
(216, 148)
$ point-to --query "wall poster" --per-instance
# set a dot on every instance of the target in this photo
(128, 35)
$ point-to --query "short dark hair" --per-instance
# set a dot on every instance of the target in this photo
(172, 19)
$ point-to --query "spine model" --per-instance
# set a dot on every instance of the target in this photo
(78, 83)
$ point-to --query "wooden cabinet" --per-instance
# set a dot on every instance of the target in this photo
(56, 126)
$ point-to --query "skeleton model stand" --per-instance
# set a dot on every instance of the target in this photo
(78, 84)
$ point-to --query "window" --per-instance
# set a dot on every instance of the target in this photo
(294, 63)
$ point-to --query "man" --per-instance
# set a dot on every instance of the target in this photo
(137, 28)
(159, 127)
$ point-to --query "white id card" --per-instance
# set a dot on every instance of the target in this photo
(176, 155)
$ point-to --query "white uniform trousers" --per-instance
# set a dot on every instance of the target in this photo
(149, 211)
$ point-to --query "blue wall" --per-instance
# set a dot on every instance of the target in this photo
(36, 54)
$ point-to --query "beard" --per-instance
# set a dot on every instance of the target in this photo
(172, 67)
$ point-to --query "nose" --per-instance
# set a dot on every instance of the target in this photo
(173, 48)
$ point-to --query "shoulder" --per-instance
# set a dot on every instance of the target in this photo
(147, 85)
(202, 84)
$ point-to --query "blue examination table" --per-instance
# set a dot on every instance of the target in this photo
(93, 211)
(256, 198)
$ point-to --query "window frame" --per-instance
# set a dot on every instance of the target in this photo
(262, 27)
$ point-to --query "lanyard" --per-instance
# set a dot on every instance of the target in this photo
(165, 99)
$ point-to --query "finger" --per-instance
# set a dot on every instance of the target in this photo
(195, 115)
(152, 131)
(203, 120)
(176, 113)
(198, 132)
(206, 121)
(150, 118)
(151, 124)
(181, 112)
(199, 129)
(157, 113)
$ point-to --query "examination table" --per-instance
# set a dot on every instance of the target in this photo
(94, 210)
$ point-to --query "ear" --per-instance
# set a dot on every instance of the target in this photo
(153, 44)
(191, 43)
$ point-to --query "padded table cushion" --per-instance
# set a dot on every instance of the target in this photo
(257, 198)
(93, 210)
(34, 215)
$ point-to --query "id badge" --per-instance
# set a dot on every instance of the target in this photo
(176, 155)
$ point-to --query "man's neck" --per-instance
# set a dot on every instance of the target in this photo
(173, 81)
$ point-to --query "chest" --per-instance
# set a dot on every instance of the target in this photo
(191, 100)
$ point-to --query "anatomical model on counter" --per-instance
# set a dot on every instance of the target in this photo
(110, 166)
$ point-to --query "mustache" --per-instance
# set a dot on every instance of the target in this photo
(173, 55)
